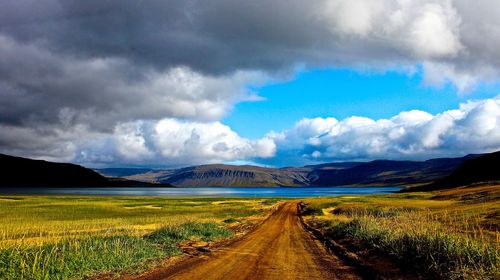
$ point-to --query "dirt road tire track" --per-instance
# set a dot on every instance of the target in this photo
(280, 248)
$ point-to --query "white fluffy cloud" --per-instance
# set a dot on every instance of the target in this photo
(173, 142)
(454, 41)
(472, 128)
(424, 29)
(210, 141)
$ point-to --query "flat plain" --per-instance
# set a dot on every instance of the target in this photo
(447, 234)
(57, 237)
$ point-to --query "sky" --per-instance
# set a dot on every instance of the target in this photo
(275, 83)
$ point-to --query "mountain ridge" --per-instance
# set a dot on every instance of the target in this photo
(425, 175)
(377, 172)
(483, 169)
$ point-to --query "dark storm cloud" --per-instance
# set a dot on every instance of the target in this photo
(38, 86)
(222, 36)
(52, 104)
(211, 36)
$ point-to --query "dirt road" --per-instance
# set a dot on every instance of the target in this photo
(280, 248)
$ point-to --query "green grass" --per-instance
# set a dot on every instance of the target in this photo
(169, 237)
(447, 237)
(77, 258)
(48, 237)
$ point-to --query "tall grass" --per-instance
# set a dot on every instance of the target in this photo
(74, 237)
(431, 251)
(76, 258)
(441, 239)
(80, 257)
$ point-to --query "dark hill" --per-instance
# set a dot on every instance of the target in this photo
(479, 169)
(23, 172)
(386, 172)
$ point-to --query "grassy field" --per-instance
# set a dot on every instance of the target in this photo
(54, 237)
(449, 235)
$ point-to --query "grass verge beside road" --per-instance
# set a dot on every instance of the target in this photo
(452, 234)
(54, 237)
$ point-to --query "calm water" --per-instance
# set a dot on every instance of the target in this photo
(231, 192)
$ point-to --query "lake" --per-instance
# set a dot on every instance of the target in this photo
(209, 191)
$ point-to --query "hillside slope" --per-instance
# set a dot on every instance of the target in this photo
(481, 169)
(225, 175)
(23, 172)
(386, 172)
(378, 172)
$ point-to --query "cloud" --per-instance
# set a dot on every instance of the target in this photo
(49, 142)
(212, 142)
(78, 77)
(40, 86)
(65, 108)
(170, 142)
(219, 37)
(439, 74)
(472, 128)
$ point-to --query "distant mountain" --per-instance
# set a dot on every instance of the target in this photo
(23, 172)
(378, 172)
(225, 175)
(430, 174)
(479, 169)
(334, 165)
(387, 172)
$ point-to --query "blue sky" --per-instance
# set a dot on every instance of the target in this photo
(342, 93)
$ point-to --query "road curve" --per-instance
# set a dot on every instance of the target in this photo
(280, 248)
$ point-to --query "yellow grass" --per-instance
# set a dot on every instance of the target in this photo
(36, 231)
(36, 220)
(455, 231)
